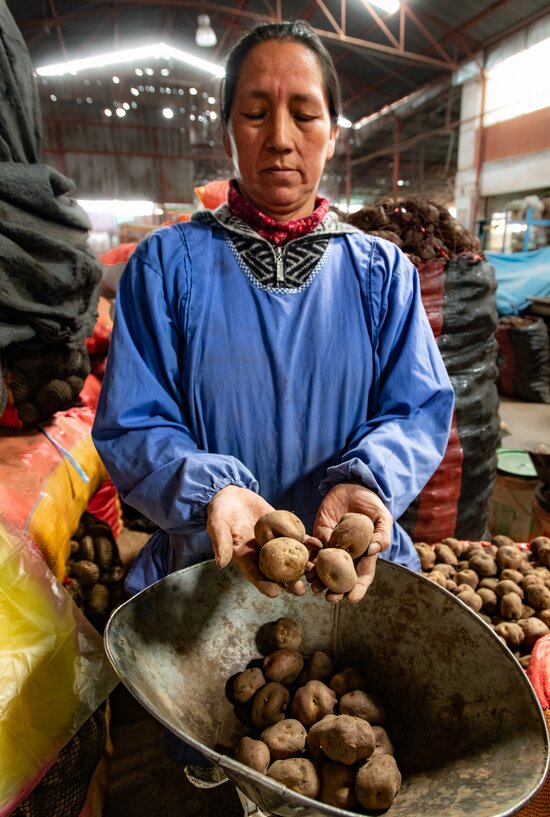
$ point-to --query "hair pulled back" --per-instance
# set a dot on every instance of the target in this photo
(289, 31)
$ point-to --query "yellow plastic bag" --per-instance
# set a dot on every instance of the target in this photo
(53, 670)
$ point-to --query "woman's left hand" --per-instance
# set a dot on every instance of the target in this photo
(352, 498)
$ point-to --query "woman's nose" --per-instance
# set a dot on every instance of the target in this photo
(280, 134)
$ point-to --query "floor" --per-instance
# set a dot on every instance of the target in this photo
(144, 782)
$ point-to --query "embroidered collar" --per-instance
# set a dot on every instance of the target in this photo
(277, 232)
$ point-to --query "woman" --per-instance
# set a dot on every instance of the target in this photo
(266, 355)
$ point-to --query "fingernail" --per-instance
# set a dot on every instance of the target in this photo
(373, 549)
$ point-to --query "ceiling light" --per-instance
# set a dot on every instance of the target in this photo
(134, 91)
(165, 72)
(126, 106)
(108, 112)
(390, 6)
(168, 113)
(343, 122)
(211, 100)
(158, 51)
(120, 112)
(193, 91)
(138, 72)
(205, 36)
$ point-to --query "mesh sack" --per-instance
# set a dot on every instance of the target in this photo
(63, 790)
(524, 359)
(459, 298)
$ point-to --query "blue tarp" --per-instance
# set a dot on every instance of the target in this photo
(519, 276)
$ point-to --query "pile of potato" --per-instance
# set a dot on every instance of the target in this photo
(284, 557)
(423, 229)
(505, 585)
(317, 731)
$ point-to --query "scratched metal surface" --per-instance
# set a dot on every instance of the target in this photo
(470, 735)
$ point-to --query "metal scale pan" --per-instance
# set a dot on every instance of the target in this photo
(470, 736)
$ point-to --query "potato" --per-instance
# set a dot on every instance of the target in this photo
(285, 739)
(489, 600)
(343, 738)
(312, 702)
(277, 524)
(335, 569)
(269, 704)
(283, 560)
(247, 683)
(449, 571)
(318, 667)
(378, 782)
(283, 634)
(509, 556)
(362, 705)
(506, 586)
(353, 533)
(383, 744)
(513, 575)
(445, 554)
(283, 666)
(468, 577)
(426, 555)
(501, 541)
(451, 585)
(253, 753)
(510, 632)
(544, 615)
(533, 629)
(491, 583)
(511, 607)
(538, 596)
(544, 555)
(469, 596)
(437, 577)
(347, 680)
(338, 785)
(483, 564)
(298, 773)
(456, 545)
(537, 542)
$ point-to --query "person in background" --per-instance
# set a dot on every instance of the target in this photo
(266, 355)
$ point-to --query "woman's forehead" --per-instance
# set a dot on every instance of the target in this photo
(275, 66)
(280, 58)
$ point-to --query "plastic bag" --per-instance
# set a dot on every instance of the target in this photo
(53, 670)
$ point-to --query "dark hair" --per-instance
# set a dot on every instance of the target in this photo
(298, 31)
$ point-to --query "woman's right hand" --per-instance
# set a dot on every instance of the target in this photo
(231, 516)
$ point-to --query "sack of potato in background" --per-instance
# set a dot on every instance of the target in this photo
(42, 380)
(458, 291)
(524, 358)
(94, 570)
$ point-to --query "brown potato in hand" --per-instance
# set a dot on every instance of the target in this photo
(353, 533)
(283, 560)
(276, 524)
(336, 570)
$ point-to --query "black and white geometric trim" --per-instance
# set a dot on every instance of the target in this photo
(265, 277)
(291, 266)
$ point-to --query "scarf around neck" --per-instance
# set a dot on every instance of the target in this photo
(277, 232)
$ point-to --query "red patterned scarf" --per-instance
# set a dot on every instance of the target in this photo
(275, 231)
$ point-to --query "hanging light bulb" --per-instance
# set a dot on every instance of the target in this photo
(205, 35)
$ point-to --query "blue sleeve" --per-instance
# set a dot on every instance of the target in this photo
(400, 444)
(140, 429)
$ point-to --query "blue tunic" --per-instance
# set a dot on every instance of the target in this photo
(214, 379)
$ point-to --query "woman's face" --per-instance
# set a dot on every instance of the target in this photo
(279, 133)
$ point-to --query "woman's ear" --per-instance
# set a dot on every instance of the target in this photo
(227, 142)
(331, 145)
